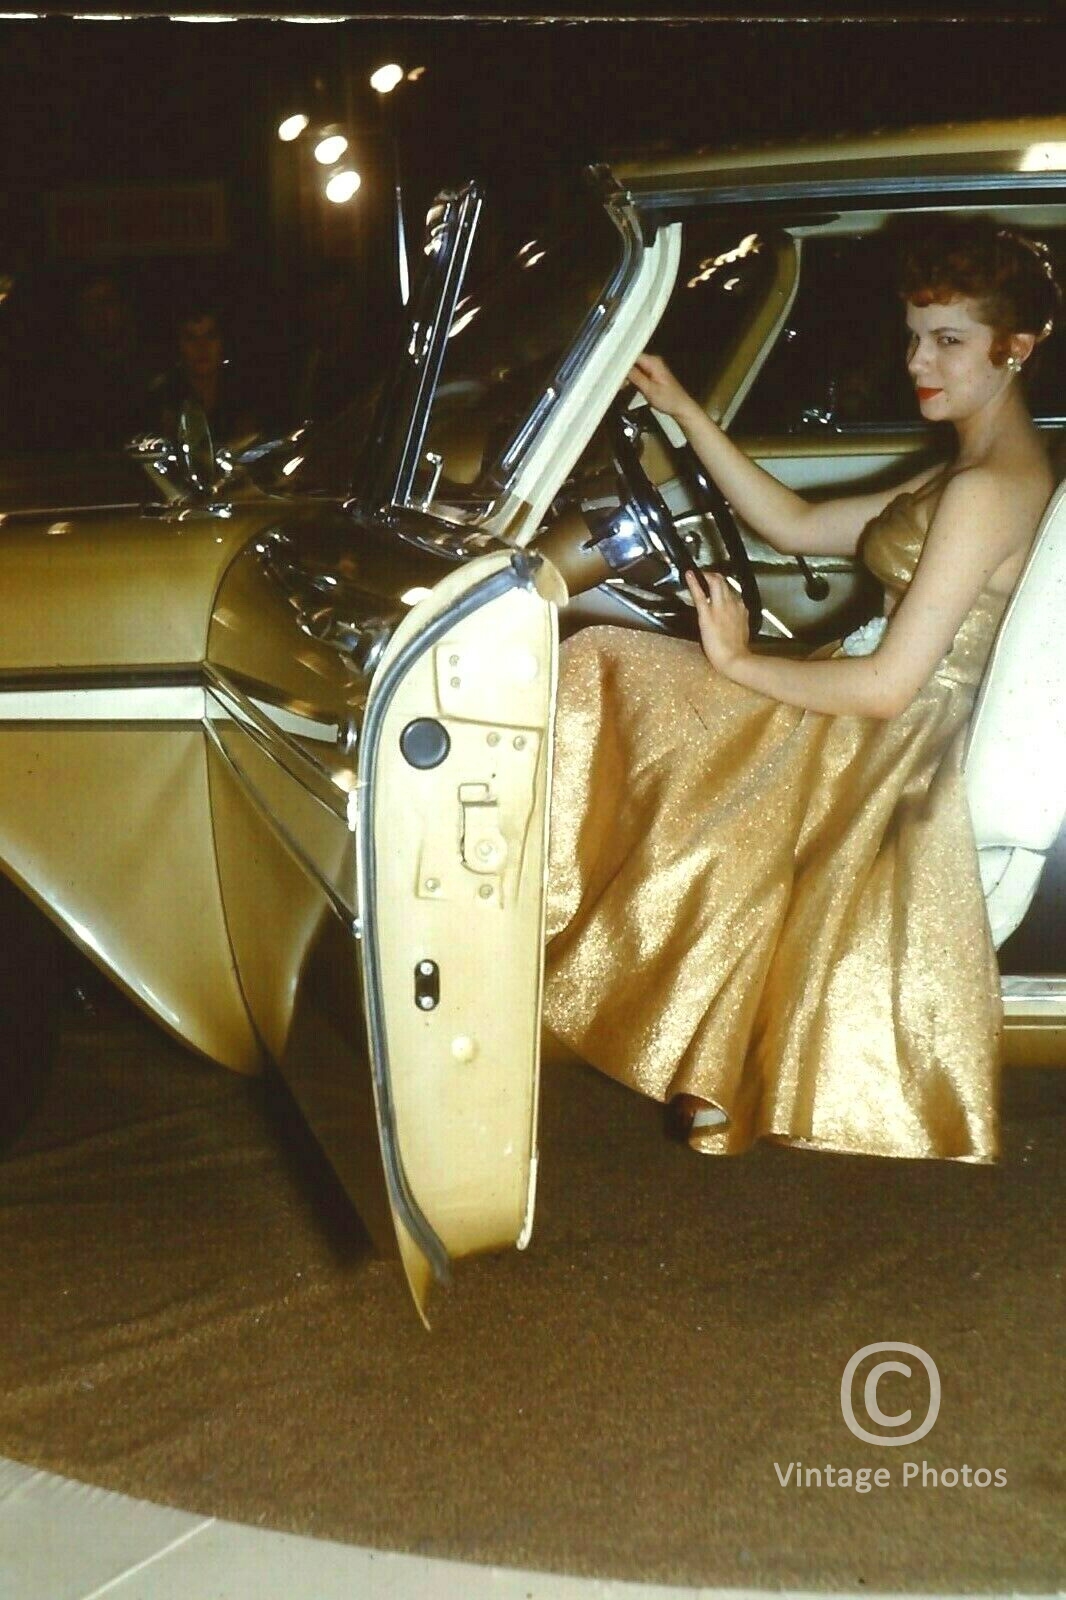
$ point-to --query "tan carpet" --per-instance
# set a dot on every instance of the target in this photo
(190, 1315)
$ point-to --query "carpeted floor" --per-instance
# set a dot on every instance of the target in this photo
(190, 1315)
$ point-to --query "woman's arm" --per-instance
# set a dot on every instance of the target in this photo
(977, 525)
(785, 519)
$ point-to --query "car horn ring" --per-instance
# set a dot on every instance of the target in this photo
(625, 426)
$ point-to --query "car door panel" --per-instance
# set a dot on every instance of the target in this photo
(452, 824)
(843, 594)
(836, 593)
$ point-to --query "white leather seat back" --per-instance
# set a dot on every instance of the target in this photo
(1016, 751)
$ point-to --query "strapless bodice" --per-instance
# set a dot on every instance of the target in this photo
(890, 546)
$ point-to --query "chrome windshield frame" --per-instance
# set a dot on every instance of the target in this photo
(427, 344)
(395, 444)
(620, 209)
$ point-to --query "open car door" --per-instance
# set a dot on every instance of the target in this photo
(451, 815)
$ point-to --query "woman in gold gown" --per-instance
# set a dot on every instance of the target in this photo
(764, 902)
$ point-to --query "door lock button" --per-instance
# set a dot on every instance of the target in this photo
(424, 743)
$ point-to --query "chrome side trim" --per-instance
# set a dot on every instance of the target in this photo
(297, 724)
(280, 746)
(140, 703)
(518, 574)
(300, 856)
(1036, 997)
(28, 512)
(155, 677)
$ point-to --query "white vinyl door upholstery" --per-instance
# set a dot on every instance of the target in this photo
(1016, 751)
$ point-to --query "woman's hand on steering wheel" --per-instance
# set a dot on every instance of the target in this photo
(653, 379)
(722, 618)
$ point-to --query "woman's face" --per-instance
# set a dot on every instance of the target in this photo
(949, 358)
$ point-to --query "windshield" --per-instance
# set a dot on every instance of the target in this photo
(527, 291)
(358, 450)
(531, 283)
(318, 458)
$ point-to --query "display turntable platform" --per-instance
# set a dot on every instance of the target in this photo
(192, 1319)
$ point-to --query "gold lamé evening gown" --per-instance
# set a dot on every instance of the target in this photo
(776, 910)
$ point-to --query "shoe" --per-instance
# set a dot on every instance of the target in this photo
(687, 1114)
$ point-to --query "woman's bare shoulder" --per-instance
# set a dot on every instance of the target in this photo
(1018, 486)
(1007, 497)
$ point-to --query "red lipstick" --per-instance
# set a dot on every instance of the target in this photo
(927, 394)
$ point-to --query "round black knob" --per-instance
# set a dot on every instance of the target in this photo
(424, 743)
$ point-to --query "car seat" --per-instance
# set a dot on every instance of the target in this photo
(1015, 761)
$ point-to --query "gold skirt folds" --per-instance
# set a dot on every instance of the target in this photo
(776, 910)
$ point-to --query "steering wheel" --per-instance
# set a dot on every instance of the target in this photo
(625, 428)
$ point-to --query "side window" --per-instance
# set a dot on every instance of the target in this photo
(723, 279)
(840, 361)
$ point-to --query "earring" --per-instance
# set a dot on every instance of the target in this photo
(1013, 364)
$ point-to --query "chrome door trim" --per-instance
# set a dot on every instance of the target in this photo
(428, 343)
(600, 316)
(851, 192)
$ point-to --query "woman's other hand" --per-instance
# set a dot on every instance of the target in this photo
(723, 620)
(660, 388)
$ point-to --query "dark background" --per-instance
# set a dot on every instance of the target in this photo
(153, 102)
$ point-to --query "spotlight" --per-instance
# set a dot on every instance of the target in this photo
(330, 149)
(342, 185)
(292, 127)
(385, 79)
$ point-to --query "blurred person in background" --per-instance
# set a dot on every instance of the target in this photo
(203, 375)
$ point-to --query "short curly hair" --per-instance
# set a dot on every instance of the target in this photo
(1008, 274)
